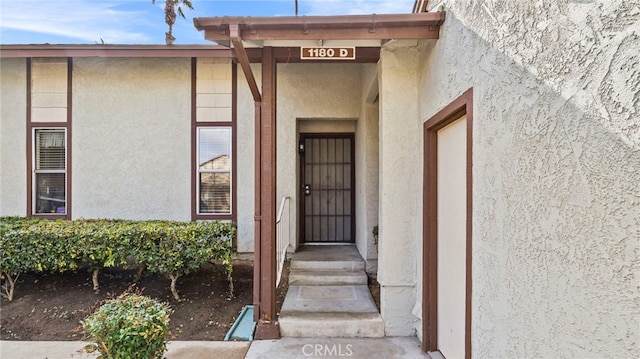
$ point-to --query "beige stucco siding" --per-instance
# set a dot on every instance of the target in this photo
(556, 168)
(245, 179)
(400, 187)
(13, 137)
(131, 138)
(367, 168)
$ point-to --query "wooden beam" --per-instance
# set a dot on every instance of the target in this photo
(268, 325)
(244, 62)
(13, 51)
(348, 27)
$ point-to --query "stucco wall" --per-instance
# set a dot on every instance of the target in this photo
(308, 91)
(556, 171)
(400, 194)
(131, 138)
(13, 137)
(367, 168)
(245, 179)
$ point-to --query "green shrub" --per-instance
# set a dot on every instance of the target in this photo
(35, 245)
(169, 248)
(103, 244)
(130, 326)
(176, 249)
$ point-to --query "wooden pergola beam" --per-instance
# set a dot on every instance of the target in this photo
(346, 27)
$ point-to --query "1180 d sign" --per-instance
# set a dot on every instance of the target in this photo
(328, 53)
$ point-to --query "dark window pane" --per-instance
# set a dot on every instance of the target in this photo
(50, 193)
(215, 193)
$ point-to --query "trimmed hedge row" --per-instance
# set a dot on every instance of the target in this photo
(169, 248)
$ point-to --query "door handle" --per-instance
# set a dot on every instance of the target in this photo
(307, 189)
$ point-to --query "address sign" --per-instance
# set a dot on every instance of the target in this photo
(328, 53)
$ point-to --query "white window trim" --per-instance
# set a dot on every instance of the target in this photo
(230, 171)
(34, 171)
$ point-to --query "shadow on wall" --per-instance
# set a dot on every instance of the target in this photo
(556, 173)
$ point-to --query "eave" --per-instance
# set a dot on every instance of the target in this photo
(347, 27)
(46, 50)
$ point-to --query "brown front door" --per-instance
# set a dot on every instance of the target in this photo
(327, 188)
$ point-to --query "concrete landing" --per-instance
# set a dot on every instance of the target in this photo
(329, 298)
(327, 258)
(328, 295)
(355, 348)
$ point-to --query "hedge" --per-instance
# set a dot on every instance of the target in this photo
(169, 248)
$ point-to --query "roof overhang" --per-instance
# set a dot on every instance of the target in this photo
(46, 50)
(344, 27)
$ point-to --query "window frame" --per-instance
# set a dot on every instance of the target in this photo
(195, 126)
(30, 137)
(35, 171)
(199, 171)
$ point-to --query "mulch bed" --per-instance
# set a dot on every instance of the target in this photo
(51, 306)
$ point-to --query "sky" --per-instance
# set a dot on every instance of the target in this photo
(141, 22)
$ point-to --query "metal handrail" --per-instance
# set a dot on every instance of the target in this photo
(282, 236)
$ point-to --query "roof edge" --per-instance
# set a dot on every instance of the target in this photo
(102, 50)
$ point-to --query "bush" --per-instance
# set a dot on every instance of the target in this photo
(130, 326)
(174, 249)
(169, 248)
(32, 245)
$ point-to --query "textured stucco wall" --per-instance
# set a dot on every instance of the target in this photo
(13, 137)
(367, 169)
(400, 199)
(131, 138)
(556, 171)
(245, 156)
(320, 91)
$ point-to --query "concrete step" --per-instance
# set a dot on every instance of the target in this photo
(349, 265)
(327, 277)
(330, 311)
(341, 325)
(327, 258)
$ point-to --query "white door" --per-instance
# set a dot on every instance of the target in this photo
(452, 218)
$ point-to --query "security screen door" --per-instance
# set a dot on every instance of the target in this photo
(327, 188)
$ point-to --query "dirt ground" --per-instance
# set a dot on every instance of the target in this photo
(51, 306)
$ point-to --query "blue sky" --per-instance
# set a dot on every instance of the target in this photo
(140, 22)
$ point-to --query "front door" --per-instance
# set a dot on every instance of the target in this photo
(327, 188)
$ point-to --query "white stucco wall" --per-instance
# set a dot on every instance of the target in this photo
(245, 179)
(367, 168)
(400, 194)
(131, 138)
(13, 137)
(310, 91)
(556, 171)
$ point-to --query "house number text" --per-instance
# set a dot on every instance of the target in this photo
(328, 53)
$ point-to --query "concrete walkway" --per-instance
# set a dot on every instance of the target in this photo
(285, 348)
(353, 348)
(176, 350)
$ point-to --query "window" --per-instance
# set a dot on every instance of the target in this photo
(49, 171)
(214, 170)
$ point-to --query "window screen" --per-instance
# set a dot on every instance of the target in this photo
(50, 167)
(214, 170)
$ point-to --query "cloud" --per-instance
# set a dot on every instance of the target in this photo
(80, 20)
(140, 22)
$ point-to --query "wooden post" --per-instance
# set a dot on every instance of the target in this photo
(267, 325)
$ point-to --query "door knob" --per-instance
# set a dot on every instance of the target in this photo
(307, 190)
